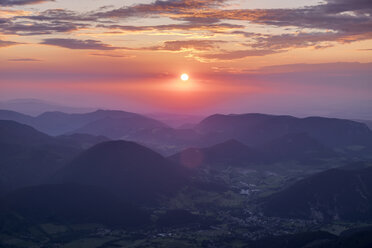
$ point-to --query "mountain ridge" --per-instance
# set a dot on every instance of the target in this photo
(335, 194)
(129, 170)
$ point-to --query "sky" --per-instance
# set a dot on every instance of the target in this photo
(304, 57)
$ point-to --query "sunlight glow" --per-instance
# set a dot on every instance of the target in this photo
(184, 77)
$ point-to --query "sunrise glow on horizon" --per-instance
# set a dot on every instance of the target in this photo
(216, 56)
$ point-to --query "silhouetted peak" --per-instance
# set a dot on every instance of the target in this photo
(16, 133)
(126, 168)
(113, 113)
(120, 152)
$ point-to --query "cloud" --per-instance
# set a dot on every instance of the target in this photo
(113, 55)
(59, 15)
(46, 22)
(21, 2)
(24, 60)
(330, 15)
(11, 26)
(330, 22)
(178, 27)
(338, 15)
(179, 45)
(330, 68)
(341, 21)
(161, 7)
(4, 43)
(78, 44)
(298, 40)
(238, 54)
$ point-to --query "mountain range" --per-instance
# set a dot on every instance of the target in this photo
(257, 129)
(294, 147)
(104, 168)
(35, 107)
(254, 130)
(109, 123)
(335, 194)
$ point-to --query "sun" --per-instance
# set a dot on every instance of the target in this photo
(184, 77)
(184, 83)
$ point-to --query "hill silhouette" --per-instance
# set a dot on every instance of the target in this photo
(127, 169)
(336, 194)
(29, 157)
(296, 146)
(258, 129)
(100, 122)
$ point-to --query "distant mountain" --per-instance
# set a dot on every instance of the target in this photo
(336, 194)
(254, 130)
(291, 147)
(320, 137)
(36, 107)
(68, 204)
(15, 116)
(29, 157)
(167, 140)
(229, 153)
(109, 123)
(116, 127)
(15, 133)
(12, 132)
(295, 146)
(179, 121)
(127, 169)
(81, 141)
(257, 129)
